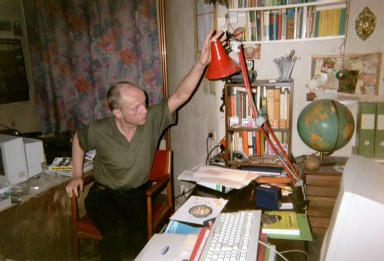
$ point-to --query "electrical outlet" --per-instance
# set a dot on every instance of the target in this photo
(182, 189)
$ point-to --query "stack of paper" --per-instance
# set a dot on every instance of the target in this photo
(231, 178)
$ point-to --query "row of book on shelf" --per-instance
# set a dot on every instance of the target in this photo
(261, 3)
(271, 101)
(371, 129)
(253, 143)
(290, 23)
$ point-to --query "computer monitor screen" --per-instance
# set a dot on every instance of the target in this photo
(356, 230)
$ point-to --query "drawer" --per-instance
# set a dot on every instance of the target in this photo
(319, 212)
(319, 222)
(321, 180)
(323, 191)
(321, 201)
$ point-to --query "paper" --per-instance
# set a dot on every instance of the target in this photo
(185, 213)
(231, 178)
(168, 247)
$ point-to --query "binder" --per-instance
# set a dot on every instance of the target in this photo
(379, 131)
(366, 135)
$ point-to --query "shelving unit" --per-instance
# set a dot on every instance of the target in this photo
(272, 98)
(288, 22)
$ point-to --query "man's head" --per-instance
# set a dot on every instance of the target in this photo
(128, 103)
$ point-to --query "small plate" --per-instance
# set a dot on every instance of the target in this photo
(200, 211)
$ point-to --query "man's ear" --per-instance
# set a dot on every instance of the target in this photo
(117, 113)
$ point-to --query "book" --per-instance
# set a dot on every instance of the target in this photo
(176, 227)
(366, 132)
(63, 166)
(280, 222)
(379, 131)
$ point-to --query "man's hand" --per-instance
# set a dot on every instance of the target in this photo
(74, 186)
(205, 57)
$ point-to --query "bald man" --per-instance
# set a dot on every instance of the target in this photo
(125, 145)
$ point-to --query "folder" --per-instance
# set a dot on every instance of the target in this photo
(379, 131)
(366, 135)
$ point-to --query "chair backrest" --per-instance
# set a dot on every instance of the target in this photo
(161, 165)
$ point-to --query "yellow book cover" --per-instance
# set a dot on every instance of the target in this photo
(280, 222)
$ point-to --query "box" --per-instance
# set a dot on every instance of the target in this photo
(268, 197)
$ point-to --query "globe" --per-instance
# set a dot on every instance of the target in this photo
(325, 125)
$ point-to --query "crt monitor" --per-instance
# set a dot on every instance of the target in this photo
(356, 230)
(13, 162)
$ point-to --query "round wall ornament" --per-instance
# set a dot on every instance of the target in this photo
(365, 23)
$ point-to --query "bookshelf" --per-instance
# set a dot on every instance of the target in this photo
(272, 98)
(274, 21)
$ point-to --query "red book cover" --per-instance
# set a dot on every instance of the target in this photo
(261, 250)
(280, 24)
(200, 243)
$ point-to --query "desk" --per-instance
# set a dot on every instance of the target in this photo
(38, 228)
(245, 199)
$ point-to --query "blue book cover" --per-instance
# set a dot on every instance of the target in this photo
(176, 227)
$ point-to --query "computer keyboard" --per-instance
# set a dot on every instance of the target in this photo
(234, 236)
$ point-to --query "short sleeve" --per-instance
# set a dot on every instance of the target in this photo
(86, 138)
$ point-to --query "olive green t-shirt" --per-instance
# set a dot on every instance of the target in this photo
(123, 164)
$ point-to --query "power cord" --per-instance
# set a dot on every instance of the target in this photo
(274, 250)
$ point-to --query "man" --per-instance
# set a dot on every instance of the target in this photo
(125, 147)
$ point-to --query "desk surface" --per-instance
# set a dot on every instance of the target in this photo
(245, 199)
(38, 228)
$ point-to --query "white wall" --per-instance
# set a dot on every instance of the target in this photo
(19, 115)
(198, 116)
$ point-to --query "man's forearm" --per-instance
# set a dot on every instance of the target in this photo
(77, 158)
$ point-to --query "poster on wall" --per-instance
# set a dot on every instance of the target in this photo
(13, 77)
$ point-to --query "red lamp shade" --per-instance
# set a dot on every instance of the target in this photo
(221, 65)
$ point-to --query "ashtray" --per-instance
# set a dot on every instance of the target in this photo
(200, 211)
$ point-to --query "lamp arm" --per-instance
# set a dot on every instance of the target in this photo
(291, 170)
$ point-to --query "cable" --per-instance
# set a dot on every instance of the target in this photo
(296, 250)
(274, 250)
(209, 153)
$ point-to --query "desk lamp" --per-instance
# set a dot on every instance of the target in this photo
(222, 66)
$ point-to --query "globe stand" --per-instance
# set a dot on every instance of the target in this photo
(326, 159)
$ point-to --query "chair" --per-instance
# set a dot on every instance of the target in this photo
(158, 211)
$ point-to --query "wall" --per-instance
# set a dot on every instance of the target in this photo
(198, 116)
(202, 113)
(18, 115)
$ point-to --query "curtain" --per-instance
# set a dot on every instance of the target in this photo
(78, 48)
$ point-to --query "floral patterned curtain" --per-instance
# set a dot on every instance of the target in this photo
(80, 47)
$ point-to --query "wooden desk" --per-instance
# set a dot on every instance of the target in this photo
(245, 199)
(322, 190)
(38, 228)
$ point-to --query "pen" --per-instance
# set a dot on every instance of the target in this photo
(164, 250)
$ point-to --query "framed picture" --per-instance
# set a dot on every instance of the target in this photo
(356, 74)
(205, 21)
(13, 77)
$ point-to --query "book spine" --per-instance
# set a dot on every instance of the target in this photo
(276, 110)
(379, 131)
(367, 111)
(270, 105)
